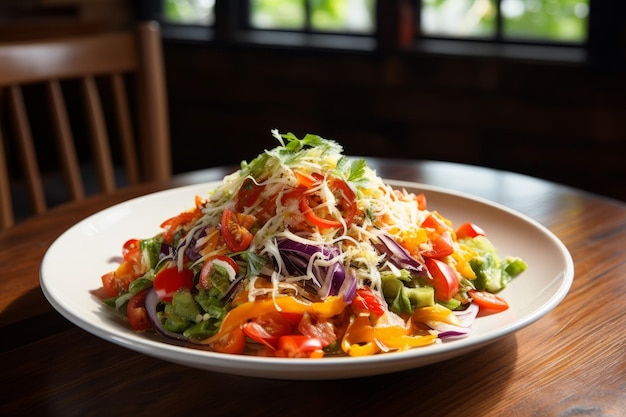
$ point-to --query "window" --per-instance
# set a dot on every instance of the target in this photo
(349, 16)
(488, 23)
(508, 20)
(505, 20)
(189, 12)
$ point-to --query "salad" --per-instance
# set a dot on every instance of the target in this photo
(304, 252)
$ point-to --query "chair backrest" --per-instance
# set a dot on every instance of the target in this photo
(93, 63)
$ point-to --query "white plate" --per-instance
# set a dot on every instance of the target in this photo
(74, 263)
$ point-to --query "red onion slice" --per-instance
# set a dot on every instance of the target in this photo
(399, 256)
(332, 279)
(466, 317)
(151, 304)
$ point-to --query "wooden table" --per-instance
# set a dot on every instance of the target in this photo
(569, 363)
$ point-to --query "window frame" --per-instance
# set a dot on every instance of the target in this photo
(231, 27)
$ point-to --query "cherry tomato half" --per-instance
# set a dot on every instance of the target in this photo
(204, 279)
(112, 285)
(366, 300)
(440, 238)
(488, 302)
(118, 281)
(169, 280)
(268, 329)
(470, 230)
(130, 250)
(421, 201)
(235, 231)
(136, 312)
(248, 194)
(444, 279)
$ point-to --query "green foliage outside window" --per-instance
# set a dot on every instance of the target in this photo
(562, 20)
(325, 15)
(277, 14)
(548, 20)
(189, 12)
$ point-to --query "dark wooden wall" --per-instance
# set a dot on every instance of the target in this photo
(562, 122)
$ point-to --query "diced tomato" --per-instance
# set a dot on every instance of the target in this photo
(118, 281)
(169, 280)
(200, 202)
(267, 211)
(421, 201)
(248, 194)
(136, 312)
(317, 328)
(292, 196)
(469, 230)
(268, 329)
(366, 300)
(488, 302)
(440, 238)
(233, 342)
(235, 230)
(433, 222)
(112, 285)
(444, 279)
(293, 318)
(442, 246)
(299, 346)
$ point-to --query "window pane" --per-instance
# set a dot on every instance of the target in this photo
(277, 14)
(555, 20)
(459, 18)
(195, 12)
(343, 15)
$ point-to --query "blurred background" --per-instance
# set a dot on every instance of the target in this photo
(531, 86)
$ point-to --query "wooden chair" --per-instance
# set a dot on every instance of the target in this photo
(111, 61)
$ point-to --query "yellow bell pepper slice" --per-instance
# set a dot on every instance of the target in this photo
(362, 338)
(433, 314)
(239, 315)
